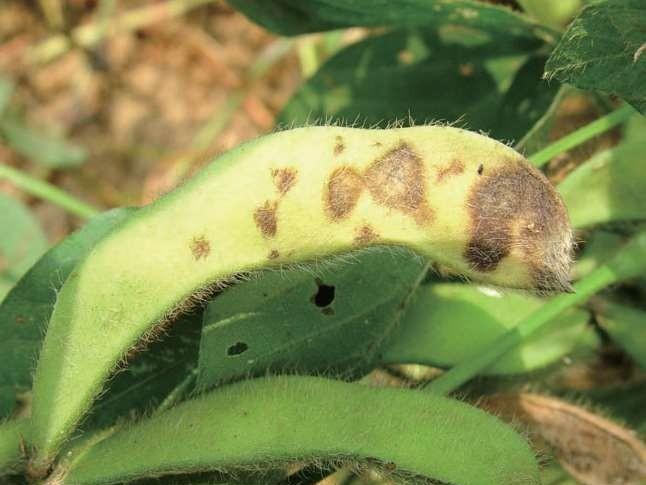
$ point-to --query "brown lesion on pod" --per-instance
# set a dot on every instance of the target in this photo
(273, 254)
(514, 208)
(343, 190)
(265, 219)
(284, 179)
(265, 215)
(200, 247)
(364, 235)
(339, 145)
(396, 181)
(456, 167)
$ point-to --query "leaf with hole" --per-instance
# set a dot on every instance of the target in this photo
(332, 321)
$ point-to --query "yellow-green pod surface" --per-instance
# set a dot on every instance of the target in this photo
(459, 198)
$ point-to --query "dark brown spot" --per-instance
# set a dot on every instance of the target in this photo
(328, 310)
(273, 254)
(343, 190)
(480, 169)
(515, 207)
(265, 218)
(200, 247)
(365, 235)
(339, 146)
(390, 466)
(487, 248)
(466, 70)
(456, 167)
(397, 181)
(284, 179)
(20, 319)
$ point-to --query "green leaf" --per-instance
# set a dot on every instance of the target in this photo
(333, 321)
(487, 84)
(50, 151)
(604, 49)
(525, 102)
(447, 323)
(609, 187)
(292, 17)
(626, 326)
(264, 422)
(538, 136)
(600, 246)
(25, 311)
(21, 243)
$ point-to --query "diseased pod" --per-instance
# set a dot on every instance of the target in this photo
(456, 197)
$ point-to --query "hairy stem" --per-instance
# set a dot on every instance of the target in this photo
(582, 135)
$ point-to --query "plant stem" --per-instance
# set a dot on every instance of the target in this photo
(582, 135)
(47, 192)
(454, 378)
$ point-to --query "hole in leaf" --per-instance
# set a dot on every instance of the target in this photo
(237, 348)
(324, 295)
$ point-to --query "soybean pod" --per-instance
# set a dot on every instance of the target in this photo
(456, 197)
(413, 436)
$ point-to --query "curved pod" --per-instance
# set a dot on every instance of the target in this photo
(264, 423)
(454, 196)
